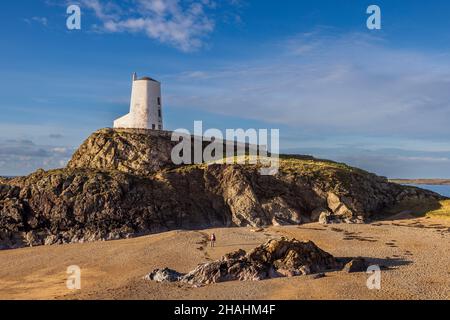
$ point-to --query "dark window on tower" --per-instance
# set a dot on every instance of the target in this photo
(159, 101)
(159, 113)
(153, 126)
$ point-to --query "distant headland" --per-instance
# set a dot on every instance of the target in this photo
(422, 181)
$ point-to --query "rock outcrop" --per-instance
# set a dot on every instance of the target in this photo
(164, 275)
(134, 151)
(276, 258)
(357, 264)
(121, 183)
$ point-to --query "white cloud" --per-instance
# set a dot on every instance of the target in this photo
(20, 157)
(62, 150)
(40, 20)
(347, 84)
(182, 24)
(427, 159)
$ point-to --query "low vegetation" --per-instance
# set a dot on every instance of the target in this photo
(424, 208)
(442, 212)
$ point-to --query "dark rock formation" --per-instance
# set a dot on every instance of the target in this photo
(358, 264)
(122, 183)
(164, 275)
(276, 258)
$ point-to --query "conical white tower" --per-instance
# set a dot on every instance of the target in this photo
(145, 106)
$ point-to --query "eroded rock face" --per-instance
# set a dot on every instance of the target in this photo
(281, 212)
(66, 206)
(121, 183)
(136, 151)
(275, 258)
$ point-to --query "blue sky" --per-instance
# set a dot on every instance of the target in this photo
(377, 99)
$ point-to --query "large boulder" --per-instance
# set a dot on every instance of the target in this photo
(275, 258)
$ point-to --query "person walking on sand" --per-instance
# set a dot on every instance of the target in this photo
(212, 239)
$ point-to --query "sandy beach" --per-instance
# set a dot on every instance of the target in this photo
(413, 254)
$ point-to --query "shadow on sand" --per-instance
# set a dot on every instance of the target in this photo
(384, 264)
(410, 209)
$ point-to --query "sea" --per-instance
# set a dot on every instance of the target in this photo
(441, 189)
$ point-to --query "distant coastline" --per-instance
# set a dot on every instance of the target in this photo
(5, 178)
(437, 182)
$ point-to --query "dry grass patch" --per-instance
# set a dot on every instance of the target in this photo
(442, 212)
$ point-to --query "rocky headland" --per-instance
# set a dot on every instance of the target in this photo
(437, 182)
(122, 183)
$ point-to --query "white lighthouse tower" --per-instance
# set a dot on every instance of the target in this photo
(145, 106)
